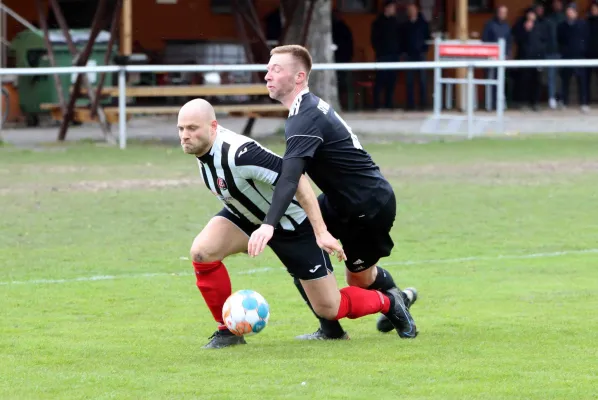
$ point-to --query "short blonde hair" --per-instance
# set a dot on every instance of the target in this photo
(299, 52)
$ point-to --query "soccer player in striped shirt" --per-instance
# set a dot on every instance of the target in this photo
(242, 174)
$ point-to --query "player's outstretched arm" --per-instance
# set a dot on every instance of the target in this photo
(285, 190)
(308, 200)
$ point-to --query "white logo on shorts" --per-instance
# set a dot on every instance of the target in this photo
(314, 269)
(358, 262)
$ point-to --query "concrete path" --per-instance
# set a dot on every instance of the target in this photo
(367, 124)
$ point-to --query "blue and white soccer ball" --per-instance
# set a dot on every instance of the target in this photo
(245, 313)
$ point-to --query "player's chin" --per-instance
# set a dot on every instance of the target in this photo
(188, 149)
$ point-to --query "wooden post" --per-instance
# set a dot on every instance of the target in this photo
(57, 82)
(462, 34)
(238, 10)
(126, 38)
(113, 30)
(80, 61)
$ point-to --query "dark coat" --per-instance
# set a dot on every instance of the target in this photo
(531, 45)
(385, 36)
(573, 39)
(343, 38)
(593, 37)
(552, 22)
(414, 36)
(496, 29)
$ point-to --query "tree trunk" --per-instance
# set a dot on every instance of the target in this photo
(319, 43)
(295, 11)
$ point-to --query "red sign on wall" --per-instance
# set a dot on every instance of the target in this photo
(487, 51)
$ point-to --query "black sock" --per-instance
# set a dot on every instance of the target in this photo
(332, 329)
(383, 281)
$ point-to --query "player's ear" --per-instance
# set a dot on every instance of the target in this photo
(300, 77)
(214, 125)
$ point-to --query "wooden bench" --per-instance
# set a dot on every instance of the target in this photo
(240, 89)
(251, 111)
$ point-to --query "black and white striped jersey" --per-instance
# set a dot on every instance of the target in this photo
(242, 174)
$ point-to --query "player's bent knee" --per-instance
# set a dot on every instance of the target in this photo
(202, 256)
(326, 311)
(362, 279)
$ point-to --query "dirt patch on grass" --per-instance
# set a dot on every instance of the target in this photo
(495, 173)
(85, 169)
(129, 184)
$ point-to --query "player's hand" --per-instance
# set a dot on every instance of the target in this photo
(330, 245)
(259, 239)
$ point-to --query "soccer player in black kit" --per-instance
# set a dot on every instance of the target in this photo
(357, 206)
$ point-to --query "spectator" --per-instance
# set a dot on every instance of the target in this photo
(385, 41)
(274, 25)
(495, 29)
(592, 44)
(415, 33)
(342, 37)
(530, 37)
(544, 26)
(542, 22)
(518, 74)
(552, 50)
(573, 37)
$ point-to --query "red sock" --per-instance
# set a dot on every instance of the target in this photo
(357, 302)
(214, 284)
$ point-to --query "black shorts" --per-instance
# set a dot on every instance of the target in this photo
(297, 250)
(365, 238)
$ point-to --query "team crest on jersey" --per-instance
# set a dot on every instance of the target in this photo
(222, 184)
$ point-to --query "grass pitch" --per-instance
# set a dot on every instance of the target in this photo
(500, 237)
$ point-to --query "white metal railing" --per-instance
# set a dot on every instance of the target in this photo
(436, 65)
(401, 65)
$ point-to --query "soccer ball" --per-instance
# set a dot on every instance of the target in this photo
(245, 313)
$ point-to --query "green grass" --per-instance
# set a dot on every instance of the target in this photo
(499, 325)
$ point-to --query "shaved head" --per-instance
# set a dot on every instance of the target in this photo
(198, 108)
(197, 127)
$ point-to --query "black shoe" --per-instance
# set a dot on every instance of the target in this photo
(224, 338)
(320, 335)
(409, 297)
(399, 315)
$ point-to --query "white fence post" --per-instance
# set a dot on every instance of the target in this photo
(122, 108)
(470, 101)
(437, 80)
(500, 90)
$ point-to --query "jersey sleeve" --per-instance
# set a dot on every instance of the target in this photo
(285, 189)
(303, 138)
(258, 163)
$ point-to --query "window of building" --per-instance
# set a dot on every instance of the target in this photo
(480, 5)
(221, 6)
(359, 6)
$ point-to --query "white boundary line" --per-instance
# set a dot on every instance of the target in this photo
(266, 269)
